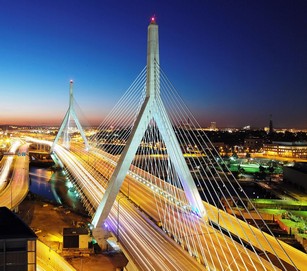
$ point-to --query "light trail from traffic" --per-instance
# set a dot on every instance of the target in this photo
(15, 175)
(7, 162)
(147, 245)
(136, 227)
(142, 194)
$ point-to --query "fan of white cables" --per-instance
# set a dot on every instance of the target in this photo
(113, 133)
(222, 239)
(226, 203)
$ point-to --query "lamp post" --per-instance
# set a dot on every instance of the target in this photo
(118, 202)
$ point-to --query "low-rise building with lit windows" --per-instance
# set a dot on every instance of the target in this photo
(286, 149)
(253, 144)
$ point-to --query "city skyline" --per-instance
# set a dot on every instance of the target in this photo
(232, 63)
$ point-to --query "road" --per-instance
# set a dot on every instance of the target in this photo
(135, 234)
(18, 186)
(142, 195)
(13, 193)
(6, 164)
(148, 247)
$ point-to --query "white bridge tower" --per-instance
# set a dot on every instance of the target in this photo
(64, 129)
(152, 109)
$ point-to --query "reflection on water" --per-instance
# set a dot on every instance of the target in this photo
(40, 184)
(53, 186)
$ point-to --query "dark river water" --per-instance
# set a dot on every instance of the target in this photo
(53, 185)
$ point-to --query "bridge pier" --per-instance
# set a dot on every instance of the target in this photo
(101, 235)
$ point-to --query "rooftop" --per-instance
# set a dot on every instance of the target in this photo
(285, 143)
(75, 231)
(12, 227)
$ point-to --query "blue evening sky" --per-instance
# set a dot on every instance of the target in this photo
(232, 61)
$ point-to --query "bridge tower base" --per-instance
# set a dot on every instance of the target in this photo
(101, 235)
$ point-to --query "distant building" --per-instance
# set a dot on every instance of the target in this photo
(17, 243)
(253, 143)
(296, 175)
(213, 126)
(220, 147)
(286, 149)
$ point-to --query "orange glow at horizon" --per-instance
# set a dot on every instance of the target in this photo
(38, 120)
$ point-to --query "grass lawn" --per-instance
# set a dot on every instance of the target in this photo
(272, 211)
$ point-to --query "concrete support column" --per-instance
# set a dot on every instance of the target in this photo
(101, 235)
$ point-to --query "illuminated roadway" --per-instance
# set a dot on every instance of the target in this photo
(142, 195)
(148, 246)
(14, 191)
(14, 180)
(6, 164)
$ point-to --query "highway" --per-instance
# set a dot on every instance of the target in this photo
(6, 164)
(14, 178)
(142, 195)
(148, 246)
(17, 187)
(245, 259)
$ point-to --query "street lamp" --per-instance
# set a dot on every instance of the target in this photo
(118, 216)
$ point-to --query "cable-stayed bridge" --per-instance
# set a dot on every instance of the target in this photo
(152, 178)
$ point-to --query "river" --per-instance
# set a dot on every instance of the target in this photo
(53, 185)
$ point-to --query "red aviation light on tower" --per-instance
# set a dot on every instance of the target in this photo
(153, 20)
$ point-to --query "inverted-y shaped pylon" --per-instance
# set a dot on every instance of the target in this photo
(152, 108)
(70, 114)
